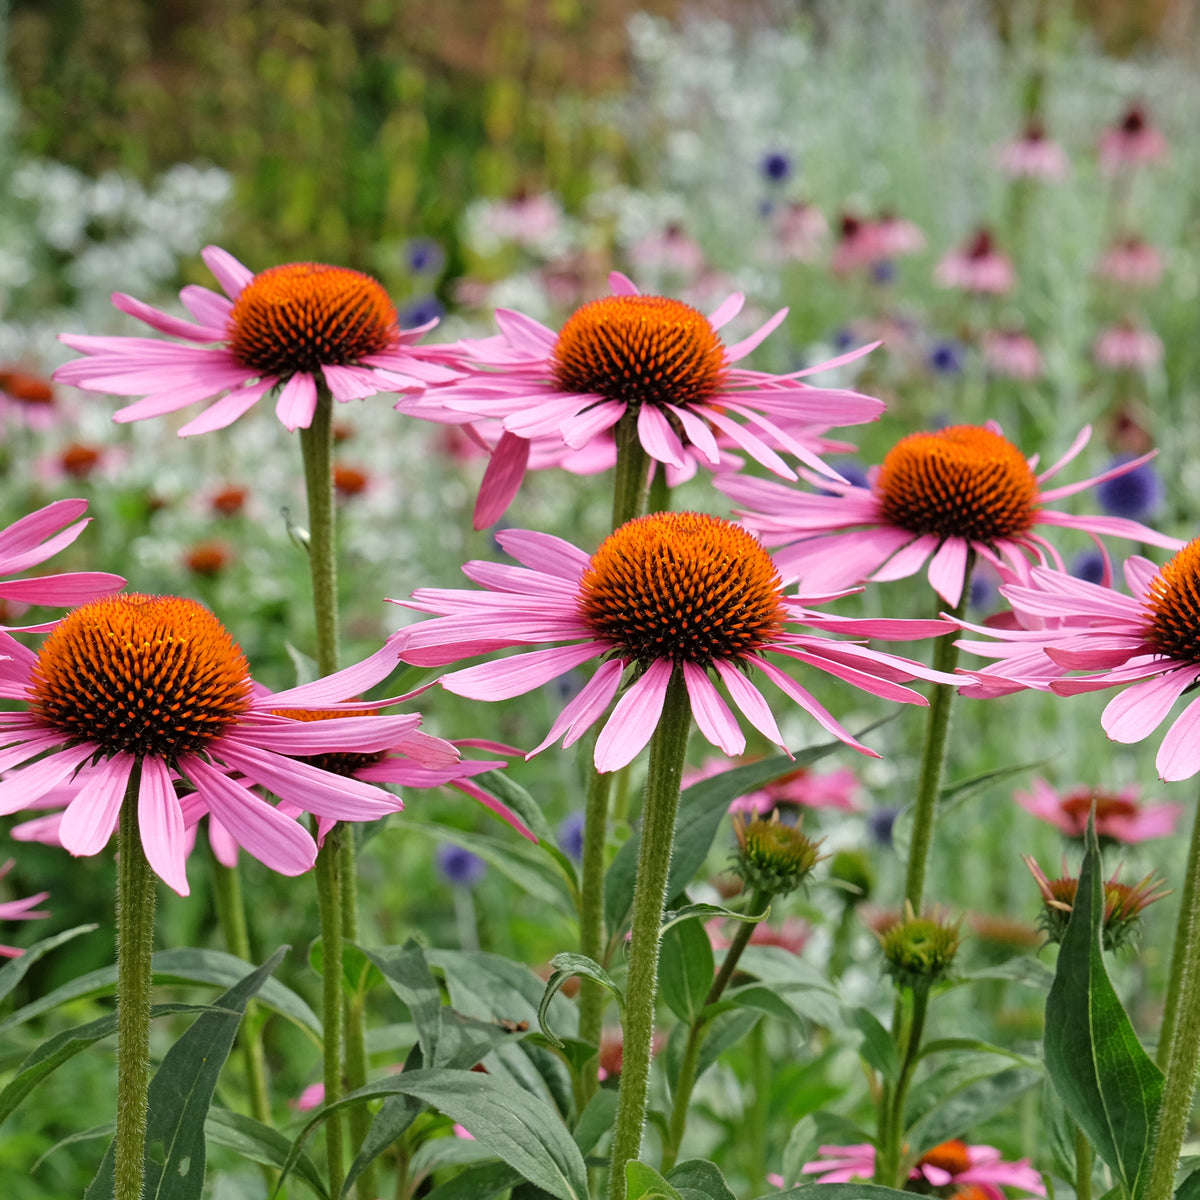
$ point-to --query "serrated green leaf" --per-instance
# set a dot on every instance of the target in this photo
(259, 1143)
(14, 971)
(180, 1094)
(685, 969)
(565, 966)
(1109, 1084)
(877, 1049)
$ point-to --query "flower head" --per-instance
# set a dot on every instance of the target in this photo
(1127, 346)
(771, 856)
(652, 356)
(1033, 156)
(919, 950)
(153, 691)
(1119, 816)
(1011, 353)
(1133, 142)
(935, 497)
(776, 166)
(977, 267)
(671, 591)
(1137, 494)
(1131, 262)
(27, 397)
(952, 1164)
(459, 867)
(290, 327)
(1123, 904)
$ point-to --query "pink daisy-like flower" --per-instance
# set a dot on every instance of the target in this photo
(671, 590)
(791, 934)
(37, 537)
(652, 356)
(290, 327)
(977, 267)
(803, 787)
(1132, 262)
(799, 231)
(935, 498)
(896, 237)
(1132, 142)
(1127, 347)
(671, 252)
(1147, 639)
(975, 1172)
(1119, 816)
(1012, 353)
(858, 245)
(19, 910)
(1033, 156)
(153, 689)
(28, 398)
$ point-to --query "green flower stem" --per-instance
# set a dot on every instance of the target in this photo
(1083, 1166)
(231, 913)
(680, 1102)
(891, 1170)
(933, 762)
(668, 748)
(660, 490)
(316, 445)
(135, 945)
(1183, 1047)
(1187, 901)
(631, 479)
(591, 925)
(329, 886)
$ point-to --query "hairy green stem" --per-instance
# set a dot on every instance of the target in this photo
(1183, 1047)
(231, 914)
(933, 761)
(680, 1102)
(135, 946)
(356, 1028)
(1187, 901)
(1083, 1166)
(329, 887)
(668, 748)
(631, 477)
(659, 499)
(316, 446)
(591, 925)
(891, 1169)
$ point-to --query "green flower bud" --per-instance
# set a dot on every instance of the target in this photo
(773, 857)
(918, 951)
(851, 872)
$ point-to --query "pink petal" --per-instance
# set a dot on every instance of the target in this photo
(1179, 755)
(165, 323)
(207, 307)
(229, 273)
(89, 820)
(341, 685)
(259, 828)
(544, 552)
(22, 538)
(622, 285)
(635, 718)
(22, 788)
(586, 708)
(658, 439)
(750, 701)
(501, 480)
(222, 413)
(161, 824)
(727, 310)
(297, 401)
(1139, 710)
(62, 590)
(509, 677)
(698, 433)
(810, 705)
(746, 345)
(711, 713)
(948, 570)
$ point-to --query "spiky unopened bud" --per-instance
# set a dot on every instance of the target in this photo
(773, 857)
(919, 951)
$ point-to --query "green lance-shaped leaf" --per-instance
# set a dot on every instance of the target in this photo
(846, 1191)
(1108, 1083)
(180, 1094)
(565, 966)
(13, 972)
(405, 969)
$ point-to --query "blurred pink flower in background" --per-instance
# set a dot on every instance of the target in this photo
(896, 237)
(791, 934)
(977, 267)
(1132, 262)
(837, 789)
(858, 245)
(1127, 347)
(670, 252)
(800, 231)
(1012, 353)
(1132, 142)
(1119, 815)
(19, 910)
(1033, 156)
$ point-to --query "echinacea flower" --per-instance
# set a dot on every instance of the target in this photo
(858, 245)
(145, 691)
(977, 267)
(1133, 142)
(1033, 156)
(799, 231)
(1011, 353)
(28, 542)
(295, 327)
(1119, 815)
(19, 910)
(668, 591)
(1131, 262)
(952, 1164)
(1147, 639)
(1127, 346)
(651, 356)
(27, 397)
(803, 788)
(936, 497)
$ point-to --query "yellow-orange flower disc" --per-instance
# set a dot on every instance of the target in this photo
(153, 676)
(1175, 606)
(303, 316)
(963, 481)
(682, 586)
(640, 350)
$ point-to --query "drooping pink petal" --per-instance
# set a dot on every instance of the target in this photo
(813, 707)
(544, 552)
(750, 702)
(160, 820)
(711, 713)
(635, 718)
(586, 708)
(89, 820)
(164, 322)
(508, 677)
(1139, 710)
(26, 786)
(229, 273)
(297, 401)
(948, 570)
(658, 439)
(223, 412)
(501, 480)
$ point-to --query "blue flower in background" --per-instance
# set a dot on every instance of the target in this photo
(1089, 566)
(983, 590)
(423, 256)
(851, 470)
(946, 357)
(459, 867)
(421, 311)
(1135, 495)
(843, 338)
(570, 835)
(883, 271)
(879, 825)
(776, 166)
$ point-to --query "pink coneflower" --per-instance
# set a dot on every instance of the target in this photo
(288, 326)
(152, 689)
(1127, 347)
(936, 497)
(1147, 639)
(671, 252)
(649, 355)
(973, 1171)
(1033, 156)
(228, 501)
(28, 397)
(791, 934)
(1011, 353)
(669, 590)
(977, 267)
(1131, 262)
(858, 245)
(800, 231)
(349, 481)
(1133, 142)
(805, 788)
(208, 558)
(1119, 816)
(19, 910)
(896, 237)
